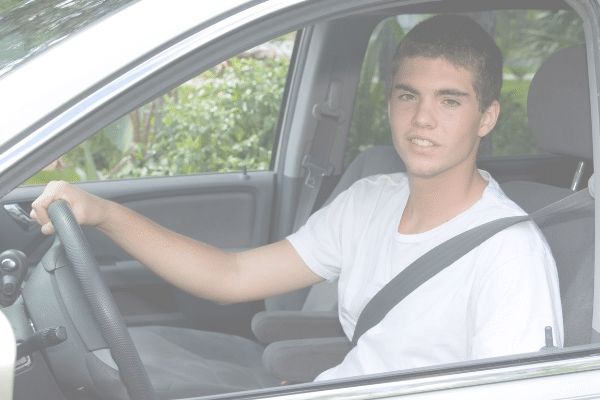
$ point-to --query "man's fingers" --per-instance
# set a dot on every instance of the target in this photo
(48, 229)
(39, 208)
(38, 213)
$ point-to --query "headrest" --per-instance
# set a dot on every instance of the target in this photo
(558, 104)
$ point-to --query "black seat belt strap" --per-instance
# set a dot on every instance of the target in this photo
(446, 253)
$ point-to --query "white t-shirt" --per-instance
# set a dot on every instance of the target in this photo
(496, 300)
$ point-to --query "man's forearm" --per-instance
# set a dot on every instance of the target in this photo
(196, 267)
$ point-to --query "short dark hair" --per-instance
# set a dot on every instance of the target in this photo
(462, 42)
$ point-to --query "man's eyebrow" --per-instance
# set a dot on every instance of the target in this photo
(451, 92)
(406, 88)
(440, 92)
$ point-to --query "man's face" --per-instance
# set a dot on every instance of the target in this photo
(435, 118)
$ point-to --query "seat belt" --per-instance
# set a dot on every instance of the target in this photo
(446, 253)
(329, 115)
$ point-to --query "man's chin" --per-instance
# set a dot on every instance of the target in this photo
(423, 172)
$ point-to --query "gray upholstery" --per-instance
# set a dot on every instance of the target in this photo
(303, 360)
(374, 160)
(559, 113)
(188, 363)
(274, 326)
(558, 104)
(571, 238)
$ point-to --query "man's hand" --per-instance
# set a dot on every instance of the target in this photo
(88, 209)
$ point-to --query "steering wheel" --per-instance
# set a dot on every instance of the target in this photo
(98, 295)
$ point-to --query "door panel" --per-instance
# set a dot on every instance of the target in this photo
(227, 210)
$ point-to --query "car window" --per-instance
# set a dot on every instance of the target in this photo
(221, 120)
(526, 38)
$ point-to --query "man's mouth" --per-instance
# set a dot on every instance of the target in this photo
(422, 142)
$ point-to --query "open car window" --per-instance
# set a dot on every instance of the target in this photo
(222, 120)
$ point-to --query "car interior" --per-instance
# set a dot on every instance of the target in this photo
(193, 348)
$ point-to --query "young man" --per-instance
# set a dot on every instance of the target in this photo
(496, 300)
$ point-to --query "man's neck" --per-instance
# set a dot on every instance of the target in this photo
(434, 201)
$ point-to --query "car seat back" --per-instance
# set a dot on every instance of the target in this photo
(559, 114)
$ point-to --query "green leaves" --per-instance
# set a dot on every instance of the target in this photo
(217, 122)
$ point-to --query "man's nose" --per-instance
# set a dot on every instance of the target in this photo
(424, 116)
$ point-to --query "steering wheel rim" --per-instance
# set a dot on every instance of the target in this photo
(98, 295)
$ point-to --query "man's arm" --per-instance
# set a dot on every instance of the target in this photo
(193, 266)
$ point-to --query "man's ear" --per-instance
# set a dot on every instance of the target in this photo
(489, 118)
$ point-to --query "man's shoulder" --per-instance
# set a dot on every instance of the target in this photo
(523, 237)
(495, 203)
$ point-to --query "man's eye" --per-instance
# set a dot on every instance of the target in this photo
(406, 96)
(451, 103)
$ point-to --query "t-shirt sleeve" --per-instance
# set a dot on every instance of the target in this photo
(514, 305)
(319, 241)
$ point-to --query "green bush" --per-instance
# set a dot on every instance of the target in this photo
(216, 122)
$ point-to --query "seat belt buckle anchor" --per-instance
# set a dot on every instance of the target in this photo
(314, 171)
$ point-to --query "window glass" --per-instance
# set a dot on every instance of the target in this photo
(526, 38)
(222, 120)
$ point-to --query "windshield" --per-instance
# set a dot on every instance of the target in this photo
(28, 27)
